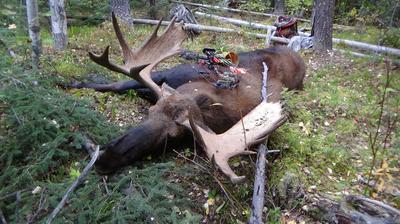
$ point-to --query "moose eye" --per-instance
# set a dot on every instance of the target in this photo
(178, 113)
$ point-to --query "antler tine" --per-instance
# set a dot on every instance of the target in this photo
(173, 37)
(126, 51)
(103, 60)
(154, 33)
(259, 123)
(140, 62)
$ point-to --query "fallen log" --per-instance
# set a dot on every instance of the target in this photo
(350, 43)
(335, 26)
(257, 205)
(228, 30)
(350, 209)
(236, 21)
(234, 10)
(369, 47)
(361, 55)
(213, 29)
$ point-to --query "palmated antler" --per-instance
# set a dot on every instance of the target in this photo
(258, 124)
(139, 62)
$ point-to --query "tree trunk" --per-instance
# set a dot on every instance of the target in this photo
(34, 28)
(323, 24)
(153, 10)
(122, 9)
(279, 7)
(58, 24)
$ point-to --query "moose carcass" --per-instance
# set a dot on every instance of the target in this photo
(198, 107)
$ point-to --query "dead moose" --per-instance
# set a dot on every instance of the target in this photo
(213, 115)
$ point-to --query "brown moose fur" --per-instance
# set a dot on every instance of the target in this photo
(213, 109)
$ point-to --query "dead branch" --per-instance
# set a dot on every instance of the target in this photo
(258, 190)
(105, 186)
(336, 26)
(257, 35)
(2, 218)
(351, 209)
(213, 29)
(234, 10)
(362, 199)
(42, 203)
(78, 180)
(236, 21)
(350, 43)
(259, 180)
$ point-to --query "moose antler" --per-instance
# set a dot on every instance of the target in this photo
(258, 124)
(139, 62)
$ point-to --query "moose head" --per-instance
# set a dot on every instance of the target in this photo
(198, 107)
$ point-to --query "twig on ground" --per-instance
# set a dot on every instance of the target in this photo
(2, 218)
(234, 202)
(13, 194)
(105, 186)
(16, 116)
(42, 203)
(84, 173)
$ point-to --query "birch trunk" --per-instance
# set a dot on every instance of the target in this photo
(34, 28)
(323, 24)
(58, 24)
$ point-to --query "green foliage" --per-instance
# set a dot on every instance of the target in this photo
(390, 38)
(88, 12)
(134, 196)
(41, 147)
(256, 5)
(299, 7)
(371, 12)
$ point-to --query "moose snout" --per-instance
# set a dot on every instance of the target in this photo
(134, 144)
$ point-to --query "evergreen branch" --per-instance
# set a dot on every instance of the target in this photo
(84, 173)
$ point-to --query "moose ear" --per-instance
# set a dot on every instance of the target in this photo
(167, 90)
(233, 57)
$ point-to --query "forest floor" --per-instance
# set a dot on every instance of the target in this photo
(324, 146)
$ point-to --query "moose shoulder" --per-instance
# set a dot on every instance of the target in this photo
(199, 103)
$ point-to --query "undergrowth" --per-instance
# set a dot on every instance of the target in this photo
(42, 132)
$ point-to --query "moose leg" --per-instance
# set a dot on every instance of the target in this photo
(117, 87)
(174, 77)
